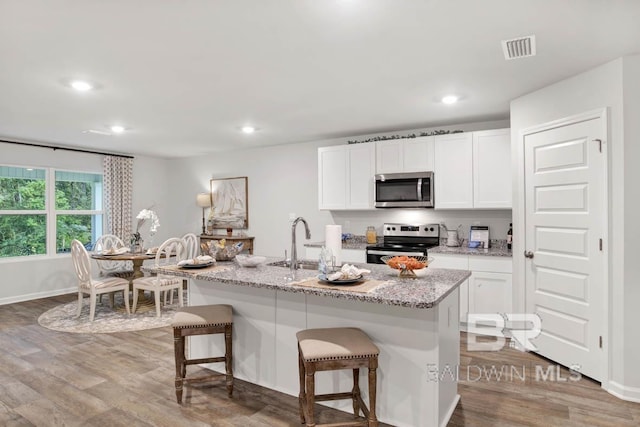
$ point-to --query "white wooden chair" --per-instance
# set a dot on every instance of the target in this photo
(193, 245)
(94, 287)
(114, 268)
(193, 250)
(174, 246)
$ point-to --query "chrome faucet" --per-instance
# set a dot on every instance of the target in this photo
(294, 252)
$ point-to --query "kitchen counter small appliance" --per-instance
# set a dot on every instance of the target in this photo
(404, 239)
(453, 236)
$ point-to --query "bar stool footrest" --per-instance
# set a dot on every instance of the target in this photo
(334, 396)
(204, 360)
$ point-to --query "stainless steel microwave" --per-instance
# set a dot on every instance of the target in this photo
(404, 190)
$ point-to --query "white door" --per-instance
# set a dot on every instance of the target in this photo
(565, 204)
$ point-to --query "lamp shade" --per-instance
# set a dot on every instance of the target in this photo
(203, 200)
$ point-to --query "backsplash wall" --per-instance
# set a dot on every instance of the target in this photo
(356, 222)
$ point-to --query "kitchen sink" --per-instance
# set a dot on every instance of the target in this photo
(302, 264)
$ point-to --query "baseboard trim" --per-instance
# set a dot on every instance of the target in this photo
(450, 411)
(631, 394)
(37, 295)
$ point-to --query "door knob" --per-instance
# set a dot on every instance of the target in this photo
(528, 254)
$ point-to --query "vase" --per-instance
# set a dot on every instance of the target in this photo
(137, 247)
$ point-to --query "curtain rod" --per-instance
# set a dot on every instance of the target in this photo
(77, 150)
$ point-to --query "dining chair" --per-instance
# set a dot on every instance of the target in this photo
(173, 247)
(94, 287)
(114, 268)
(193, 250)
(193, 246)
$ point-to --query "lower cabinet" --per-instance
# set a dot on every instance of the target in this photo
(488, 290)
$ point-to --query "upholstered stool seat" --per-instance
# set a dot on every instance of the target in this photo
(330, 349)
(202, 320)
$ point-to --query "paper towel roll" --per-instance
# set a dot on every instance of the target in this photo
(333, 241)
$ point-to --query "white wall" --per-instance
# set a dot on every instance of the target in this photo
(630, 228)
(40, 276)
(598, 88)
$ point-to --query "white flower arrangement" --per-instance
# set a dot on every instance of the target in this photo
(142, 217)
(148, 214)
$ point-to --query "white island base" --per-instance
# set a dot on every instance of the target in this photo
(413, 344)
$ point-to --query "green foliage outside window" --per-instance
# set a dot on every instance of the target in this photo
(23, 189)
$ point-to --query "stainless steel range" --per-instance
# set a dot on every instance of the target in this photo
(404, 239)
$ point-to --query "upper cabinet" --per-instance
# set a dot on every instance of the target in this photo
(492, 169)
(453, 175)
(345, 176)
(473, 170)
(405, 155)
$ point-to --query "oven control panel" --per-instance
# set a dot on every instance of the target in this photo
(411, 230)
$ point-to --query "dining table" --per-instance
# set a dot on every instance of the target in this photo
(137, 259)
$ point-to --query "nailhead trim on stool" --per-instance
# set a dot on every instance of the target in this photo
(331, 349)
(202, 320)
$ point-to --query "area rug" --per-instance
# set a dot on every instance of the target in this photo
(106, 320)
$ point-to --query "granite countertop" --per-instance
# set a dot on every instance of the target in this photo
(423, 292)
(355, 242)
(464, 250)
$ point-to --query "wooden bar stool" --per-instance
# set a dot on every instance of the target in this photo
(202, 320)
(331, 349)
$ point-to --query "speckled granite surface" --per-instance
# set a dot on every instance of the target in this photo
(423, 292)
(463, 250)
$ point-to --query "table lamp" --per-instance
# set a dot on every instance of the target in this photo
(203, 200)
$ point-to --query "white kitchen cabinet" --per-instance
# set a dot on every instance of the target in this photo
(458, 262)
(405, 155)
(345, 176)
(472, 170)
(492, 169)
(488, 290)
(453, 177)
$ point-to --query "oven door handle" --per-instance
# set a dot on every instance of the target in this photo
(377, 252)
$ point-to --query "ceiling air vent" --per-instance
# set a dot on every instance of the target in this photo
(519, 48)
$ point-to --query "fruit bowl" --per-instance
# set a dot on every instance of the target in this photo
(406, 265)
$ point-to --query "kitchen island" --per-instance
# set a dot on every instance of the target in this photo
(414, 322)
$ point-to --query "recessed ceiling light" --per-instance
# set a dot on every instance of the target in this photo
(81, 85)
(117, 129)
(450, 99)
(248, 129)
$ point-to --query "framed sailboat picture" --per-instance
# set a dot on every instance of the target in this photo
(229, 202)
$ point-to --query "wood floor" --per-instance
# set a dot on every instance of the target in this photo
(50, 378)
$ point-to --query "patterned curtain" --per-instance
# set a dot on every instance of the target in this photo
(118, 189)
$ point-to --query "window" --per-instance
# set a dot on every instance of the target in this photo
(78, 208)
(30, 224)
(23, 216)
